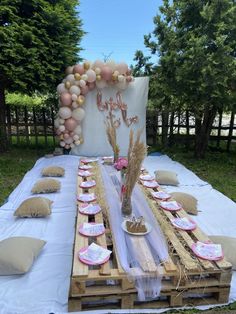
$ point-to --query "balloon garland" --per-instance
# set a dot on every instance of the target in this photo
(80, 79)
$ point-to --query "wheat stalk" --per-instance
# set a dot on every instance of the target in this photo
(136, 154)
(111, 135)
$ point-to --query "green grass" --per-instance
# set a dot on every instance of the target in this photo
(218, 168)
(13, 166)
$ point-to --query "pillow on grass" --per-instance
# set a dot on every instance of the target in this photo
(53, 171)
(228, 246)
(46, 186)
(17, 254)
(188, 202)
(34, 207)
(166, 177)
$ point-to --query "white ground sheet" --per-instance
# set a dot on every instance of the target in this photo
(45, 288)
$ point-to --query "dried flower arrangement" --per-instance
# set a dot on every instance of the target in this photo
(111, 135)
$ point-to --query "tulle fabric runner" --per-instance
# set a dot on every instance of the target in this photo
(148, 284)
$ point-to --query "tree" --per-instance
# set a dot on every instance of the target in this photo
(38, 40)
(196, 44)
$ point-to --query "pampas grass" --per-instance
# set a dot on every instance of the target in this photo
(136, 154)
(111, 135)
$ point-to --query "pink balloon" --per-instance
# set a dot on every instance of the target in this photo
(72, 134)
(66, 136)
(84, 90)
(98, 64)
(91, 86)
(122, 68)
(78, 68)
(66, 99)
(91, 76)
(128, 79)
(70, 124)
(106, 73)
(58, 132)
(67, 146)
(69, 140)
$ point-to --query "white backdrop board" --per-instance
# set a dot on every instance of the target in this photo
(93, 126)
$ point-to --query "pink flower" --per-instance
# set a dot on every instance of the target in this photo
(121, 163)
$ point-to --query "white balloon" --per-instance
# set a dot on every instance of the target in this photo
(82, 83)
(72, 145)
(77, 131)
(77, 142)
(78, 114)
(62, 128)
(65, 112)
(57, 123)
(121, 78)
(75, 90)
(70, 78)
(76, 136)
(74, 104)
(61, 88)
(101, 84)
(98, 71)
(61, 121)
(62, 144)
(74, 97)
(84, 77)
(69, 140)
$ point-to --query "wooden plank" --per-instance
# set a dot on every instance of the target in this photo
(143, 254)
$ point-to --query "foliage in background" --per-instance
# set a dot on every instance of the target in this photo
(38, 40)
(196, 45)
(17, 99)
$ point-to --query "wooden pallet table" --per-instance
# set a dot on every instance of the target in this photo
(187, 280)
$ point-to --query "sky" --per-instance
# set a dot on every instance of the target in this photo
(116, 28)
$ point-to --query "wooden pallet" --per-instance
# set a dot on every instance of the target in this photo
(187, 280)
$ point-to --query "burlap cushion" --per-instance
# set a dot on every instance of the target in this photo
(228, 246)
(188, 202)
(166, 177)
(34, 207)
(46, 186)
(53, 171)
(17, 254)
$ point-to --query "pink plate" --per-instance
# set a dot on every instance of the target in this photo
(85, 167)
(87, 184)
(185, 223)
(206, 251)
(167, 206)
(85, 261)
(86, 198)
(146, 177)
(87, 160)
(150, 184)
(160, 195)
(85, 174)
(89, 209)
(87, 234)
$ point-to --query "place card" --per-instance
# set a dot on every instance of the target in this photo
(87, 197)
(171, 205)
(89, 209)
(91, 229)
(208, 251)
(161, 195)
(184, 223)
(94, 254)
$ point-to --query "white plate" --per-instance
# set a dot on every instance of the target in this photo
(85, 167)
(170, 206)
(84, 173)
(87, 184)
(150, 184)
(184, 223)
(146, 177)
(161, 195)
(89, 209)
(86, 198)
(148, 227)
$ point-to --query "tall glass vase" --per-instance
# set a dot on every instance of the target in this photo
(126, 207)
